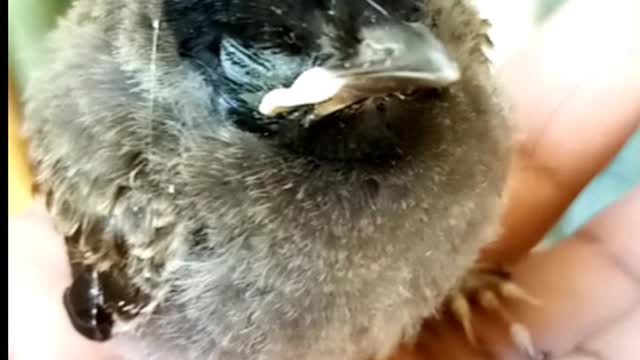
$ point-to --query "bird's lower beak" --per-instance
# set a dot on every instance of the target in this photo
(393, 58)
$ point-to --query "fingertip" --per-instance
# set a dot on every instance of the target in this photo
(584, 282)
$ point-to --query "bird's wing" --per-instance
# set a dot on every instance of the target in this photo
(117, 259)
(88, 144)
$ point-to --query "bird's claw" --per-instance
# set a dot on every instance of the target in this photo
(488, 287)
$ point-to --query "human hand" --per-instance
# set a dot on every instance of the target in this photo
(576, 95)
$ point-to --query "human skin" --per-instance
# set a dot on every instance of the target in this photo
(575, 91)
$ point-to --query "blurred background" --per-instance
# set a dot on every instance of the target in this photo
(30, 20)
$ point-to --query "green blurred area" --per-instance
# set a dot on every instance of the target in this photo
(546, 8)
(30, 20)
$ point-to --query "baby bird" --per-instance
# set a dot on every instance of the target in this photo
(268, 180)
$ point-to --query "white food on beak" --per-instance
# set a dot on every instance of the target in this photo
(313, 86)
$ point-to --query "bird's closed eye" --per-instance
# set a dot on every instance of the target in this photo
(413, 14)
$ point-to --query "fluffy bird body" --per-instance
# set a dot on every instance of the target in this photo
(199, 229)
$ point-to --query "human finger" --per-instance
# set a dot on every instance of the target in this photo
(575, 92)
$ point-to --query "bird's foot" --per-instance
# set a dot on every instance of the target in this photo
(489, 287)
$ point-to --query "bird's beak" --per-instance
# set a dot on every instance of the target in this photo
(391, 59)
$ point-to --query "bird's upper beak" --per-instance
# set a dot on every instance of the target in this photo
(391, 59)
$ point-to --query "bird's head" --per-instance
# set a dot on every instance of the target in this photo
(345, 80)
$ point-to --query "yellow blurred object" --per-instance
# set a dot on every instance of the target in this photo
(20, 189)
